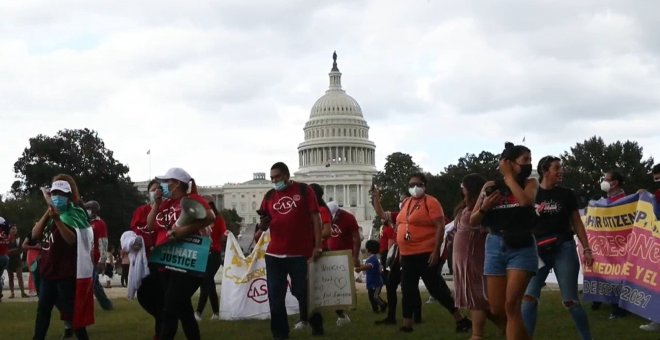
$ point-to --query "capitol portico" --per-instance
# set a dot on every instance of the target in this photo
(336, 153)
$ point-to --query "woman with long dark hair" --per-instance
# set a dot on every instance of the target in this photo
(559, 220)
(506, 208)
(419, 236)
(469, 243)
(207, 290)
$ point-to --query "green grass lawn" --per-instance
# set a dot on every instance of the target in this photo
(128, 321)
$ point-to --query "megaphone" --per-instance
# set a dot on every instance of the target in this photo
(191, 211)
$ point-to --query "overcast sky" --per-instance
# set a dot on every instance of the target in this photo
(224, 88)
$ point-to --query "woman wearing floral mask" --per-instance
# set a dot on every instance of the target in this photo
(419, 235)
(59, 230)
(506, 208)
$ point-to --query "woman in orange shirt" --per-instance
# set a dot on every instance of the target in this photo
(419, 236)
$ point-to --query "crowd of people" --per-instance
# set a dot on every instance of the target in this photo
(509, 234)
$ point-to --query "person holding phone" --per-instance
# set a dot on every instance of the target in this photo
(506, 208)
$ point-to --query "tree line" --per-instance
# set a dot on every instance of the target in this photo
(584, 166)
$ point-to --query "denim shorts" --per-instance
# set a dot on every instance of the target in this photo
(499, 257)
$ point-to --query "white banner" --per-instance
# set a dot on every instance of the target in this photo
(244, 292)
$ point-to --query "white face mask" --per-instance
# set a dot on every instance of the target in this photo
(605, 186)
(416, 191)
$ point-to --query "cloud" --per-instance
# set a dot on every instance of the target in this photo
(223, 88)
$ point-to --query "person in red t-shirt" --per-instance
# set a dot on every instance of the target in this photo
(150, 294)
(291, 212)
(99, 251)
(178, 287)
(208, 290)
(344, 235)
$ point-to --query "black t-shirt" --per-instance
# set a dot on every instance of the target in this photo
(509, 215)
(554, 207)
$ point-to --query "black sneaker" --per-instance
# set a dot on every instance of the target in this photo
(405, 329)
(68, 333)
(464, 325)
(316, 321)
(386, 321)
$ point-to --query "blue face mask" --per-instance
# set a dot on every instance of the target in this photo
(279, 186)
(166, 190)
(61, 203)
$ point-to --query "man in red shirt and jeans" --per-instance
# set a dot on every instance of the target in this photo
(291, 212)
(99, 251)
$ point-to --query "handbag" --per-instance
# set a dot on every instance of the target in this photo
(392, 255)
(547, 244)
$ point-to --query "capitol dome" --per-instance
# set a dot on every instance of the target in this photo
(336, 133)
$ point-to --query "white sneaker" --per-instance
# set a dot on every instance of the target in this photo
(198, 317)
(651, 327)
(215, 317)
(431, 300)
(300, 326)
(343, 321)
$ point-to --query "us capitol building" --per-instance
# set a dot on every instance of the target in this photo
(336, 153)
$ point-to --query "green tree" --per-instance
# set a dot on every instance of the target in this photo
(587, 162)
(83, 155)
(23, 211)
(232, 220)
(393, 181)
(446, 186)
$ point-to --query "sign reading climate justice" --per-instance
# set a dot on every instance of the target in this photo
(625, 240)
(188, 255)
(331, 281)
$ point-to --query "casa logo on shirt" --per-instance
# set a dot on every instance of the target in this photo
(335, 231)
(167, 218)
(285, 204)
(548, 207)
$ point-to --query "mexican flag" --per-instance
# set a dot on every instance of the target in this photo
(83, 308)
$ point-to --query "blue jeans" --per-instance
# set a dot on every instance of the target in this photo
(277, 270)
(566, 265)
(499, 257)
(53, 293)
(100, 293)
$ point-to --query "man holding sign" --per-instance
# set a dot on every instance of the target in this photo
(291, 212)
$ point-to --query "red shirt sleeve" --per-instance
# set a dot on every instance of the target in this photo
(102, 229)
(326, 217)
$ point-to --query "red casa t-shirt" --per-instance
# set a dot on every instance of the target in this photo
(386, 234)
(344, 226)
(139, 226)
(100, 231)
(4, 243)
(168, 212)
(291, 226)
(217, 233)
(58, 258)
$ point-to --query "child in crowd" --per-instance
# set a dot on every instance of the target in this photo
(374, 277)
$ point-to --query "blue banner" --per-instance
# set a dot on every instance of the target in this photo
(187, 256)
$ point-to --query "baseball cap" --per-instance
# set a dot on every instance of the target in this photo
(175, 173)
(333, 207)
(62, 186)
